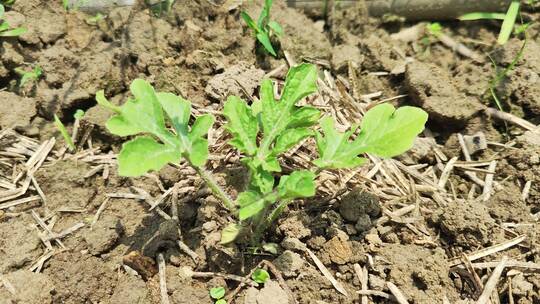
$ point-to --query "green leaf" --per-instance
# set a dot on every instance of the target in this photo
(144, 114)
(385, 132)
(508, 22)
(305, 116)
(482, 15)
(289, 138)
(265, 14)
(78, 114)
(274, 26)
(217, 293)
(2, 11)
(270, 247)
(178, 110)
(221, 301)
(230, 233)
(249, 21)
(298, 184)
(14, 32)
(67, 138)
(251, 209)
(241, 123)
(260, 276)
(264, 39)
(277, 116)
(144, 154)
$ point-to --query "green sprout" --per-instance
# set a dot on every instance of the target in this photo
(96, 19)
(28, 76)
(67, 138)
(264, 29)
(260, 276)
(217, 293)
(432, 33)
(509, 20)
(5, 29)
(261, 132)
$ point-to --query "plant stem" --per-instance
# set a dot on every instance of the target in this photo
(215, 188)
(264, 224)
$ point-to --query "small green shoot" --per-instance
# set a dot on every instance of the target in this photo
(217, 293)
(509, 20)
(28, 76)
(95, 20)
(264, 29)
(432, 33)
(78, 114)
(260, 276)
(67, 138)
(5, 29)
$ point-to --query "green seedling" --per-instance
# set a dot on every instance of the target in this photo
(509, 20)
(264, 29)
(96, 19)
(28, 76)
(5, 29)
(432, 33)
(260, 276)
(67, 138)
(158, 7)
(261, 132)
(217, 293)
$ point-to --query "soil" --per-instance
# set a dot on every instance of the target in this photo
(394, 218)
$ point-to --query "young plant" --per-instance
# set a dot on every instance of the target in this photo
(509, 19)
(217, 293)
(432, 33)
(5, 29)
(260, 276)
(28, 76)
(65, 134)
(264, 29)
(261, 132)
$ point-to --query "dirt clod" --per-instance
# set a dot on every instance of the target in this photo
(432, 89)
(41, 291)
(103, 235)
(235, 80)
(16, 111)
(289, 263)
(338, 250)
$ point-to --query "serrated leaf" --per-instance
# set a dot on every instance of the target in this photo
(385, 132)
(276, 116)
(298, 184)
(144, 154)
(242, 125)
(144, 114)
(305, 116)
(289, 138)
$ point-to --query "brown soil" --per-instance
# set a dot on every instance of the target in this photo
(202, 51)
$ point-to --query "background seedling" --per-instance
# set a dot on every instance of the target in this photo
(67, 138)
(264, 29)
(28, 76)
(279, 123)
(217, 293)
(5, 29)
(260, 276)
(509, 19)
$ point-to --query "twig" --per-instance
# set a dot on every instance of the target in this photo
(376, 293)
(511, 119)
(20, 201)
(488, 183)
(492, 282)
(227, 276)
(162, 279)
(326, 273)
(55, 236)
(8, 285)
(362, 275)
(490, 250)
(400, 298)
(99, 211)
(446, 172)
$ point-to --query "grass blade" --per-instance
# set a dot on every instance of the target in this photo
(479, 16)
(508, 23)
